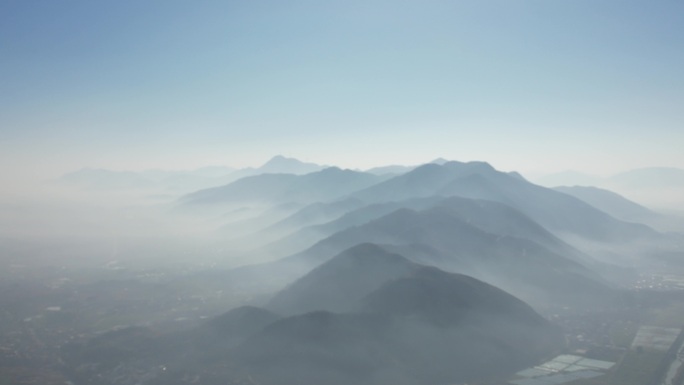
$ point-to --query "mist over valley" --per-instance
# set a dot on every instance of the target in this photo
(443, 273)
(342, 193)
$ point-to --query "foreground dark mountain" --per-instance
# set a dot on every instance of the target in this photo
(339, 284)
(399, 322)
(231, 328)
(413, 325)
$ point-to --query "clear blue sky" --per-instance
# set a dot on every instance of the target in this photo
(536, 86)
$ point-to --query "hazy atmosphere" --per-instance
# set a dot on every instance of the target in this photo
(353, 192)
(532, 86)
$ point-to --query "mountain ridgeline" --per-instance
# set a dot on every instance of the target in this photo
(556, 211)
(328, 184)
(560, 213)
(461, 217)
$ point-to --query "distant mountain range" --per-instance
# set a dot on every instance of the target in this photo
(414, 324)
(658, 187)
(180, 182)
(463, 217)
(559, 212)
(644, 178)
(609, 202)
(325, 185)
(556, 211)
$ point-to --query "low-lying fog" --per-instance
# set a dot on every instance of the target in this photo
(363, 274)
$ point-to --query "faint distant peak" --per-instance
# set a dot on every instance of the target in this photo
(280, 160)
(426, 168)
(453, 166)
(517, 175)
(282, 164)
(439, 161)
(367, 253)
(391, 169)
(334, 170)
(472, 165)
(105, 178)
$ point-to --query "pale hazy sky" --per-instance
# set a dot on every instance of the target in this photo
(537, 86)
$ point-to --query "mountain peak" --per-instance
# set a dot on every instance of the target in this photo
(285, 165)
(473, 165)
(340, 283)
(280, 160)
(439, 161)
(333, 170)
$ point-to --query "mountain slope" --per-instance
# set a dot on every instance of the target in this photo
(278, 165)
(558, 212)
(423, 327)
(234, 326)
(490, 216)
(309, 235)
(318, 186)
(283, 165)
(424, 181)
(307, 216)
(440, 238)
(609, 202)
(339, 284)
(414, 325)
(314, 214)
(266, 187)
